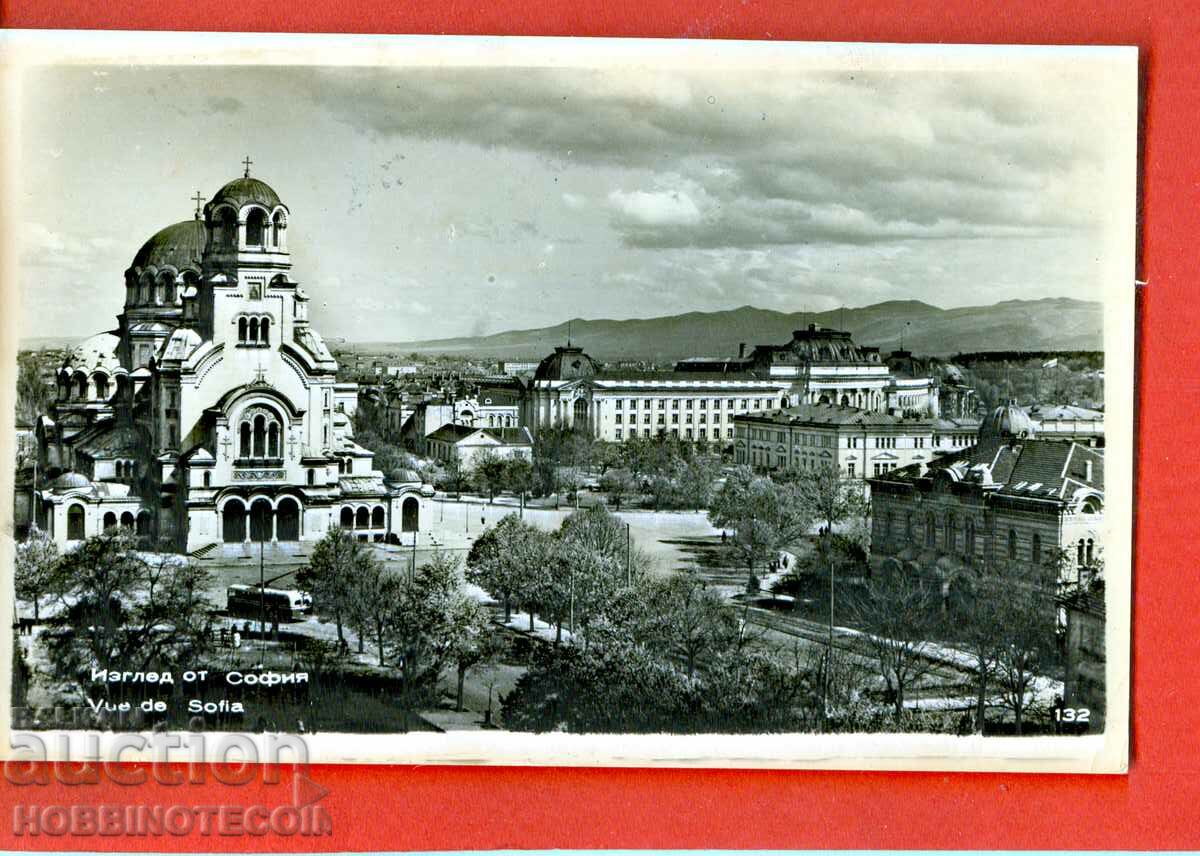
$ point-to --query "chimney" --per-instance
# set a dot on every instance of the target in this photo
(741, 349)
(1087, 471)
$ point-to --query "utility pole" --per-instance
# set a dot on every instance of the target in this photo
(412, 567)
(262, 601)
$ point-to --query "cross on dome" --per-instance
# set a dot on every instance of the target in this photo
(198, 199)
(246, 163)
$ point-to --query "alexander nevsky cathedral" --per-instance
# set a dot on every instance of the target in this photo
(212, 415)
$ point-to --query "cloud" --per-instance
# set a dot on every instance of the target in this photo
(658, 208)
(774, 159)
(43, 247)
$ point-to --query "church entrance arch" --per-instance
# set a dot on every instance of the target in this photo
(260, 520)
(233, 522)
(410, 513)
(127, 520)
(347, 517)
(110, 520)
(288, 523)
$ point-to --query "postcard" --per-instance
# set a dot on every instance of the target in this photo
(568, 401)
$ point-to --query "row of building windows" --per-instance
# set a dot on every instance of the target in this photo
(701, 418)
(688, 403)
(1084, 548)
(688, 433)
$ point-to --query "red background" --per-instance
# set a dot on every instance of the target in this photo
(1155, 806)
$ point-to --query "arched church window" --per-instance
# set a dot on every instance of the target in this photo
(277, 225)
(243, 326)
(225, 228)
(101, 387)
(253, 329)
(169, 291)
(260, 436)
(264, 331)
(207, 479)
(245, 444)
(311, 478)
(81, 386)
(1012, 543)
(255, 226)
(273, 440)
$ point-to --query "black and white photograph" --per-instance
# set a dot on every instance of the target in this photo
(572, 401)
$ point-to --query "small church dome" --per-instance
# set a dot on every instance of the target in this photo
(70, 481)
(1006, 422)
(179, 246)
(244, 191)
(98, 352)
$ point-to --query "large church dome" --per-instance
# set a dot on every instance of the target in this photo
(243, 191)
(179, 246)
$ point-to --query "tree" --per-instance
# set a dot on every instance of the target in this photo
(488, 471)
(453, 474)
(510, 562)
(1027, 615)
(618, 484)
(473, 640)
(977, 613)
(695, 481)
(765, 515)
(430, 619)
(132, 611)
(833, 500)
(518, 475)
(895, 613)
(374, 592)
(33, 396)
(688, 620)
(337, 561)
(34, 569)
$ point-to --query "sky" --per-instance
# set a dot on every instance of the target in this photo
(439, 202)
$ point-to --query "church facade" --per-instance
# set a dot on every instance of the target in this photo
(212, 413)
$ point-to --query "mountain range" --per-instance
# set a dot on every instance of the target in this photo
(1049, 324)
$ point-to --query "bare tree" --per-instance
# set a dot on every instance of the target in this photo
(895, 612)
(978, 616)
(1028, 620)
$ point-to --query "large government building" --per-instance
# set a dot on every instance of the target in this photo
(211, 413)
(701, 397)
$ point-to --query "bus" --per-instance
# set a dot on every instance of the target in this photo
(280, 604)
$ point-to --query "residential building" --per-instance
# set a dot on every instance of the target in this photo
(467, 443)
